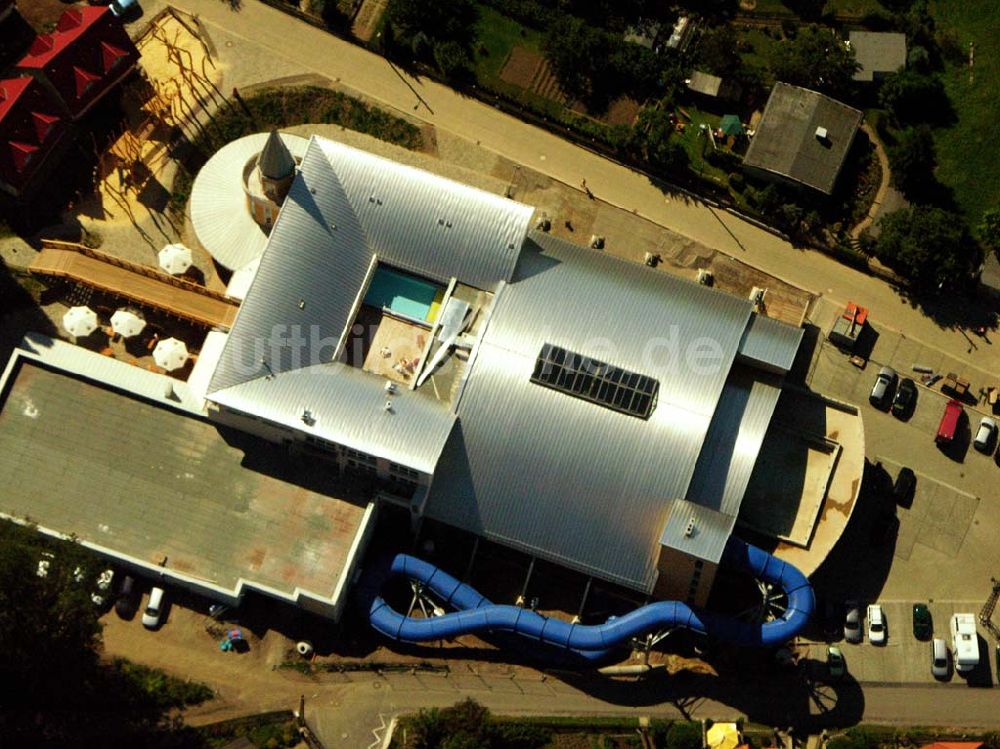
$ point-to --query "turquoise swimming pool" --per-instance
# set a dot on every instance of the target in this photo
(404, 294)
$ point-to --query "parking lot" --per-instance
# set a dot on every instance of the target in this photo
(943, 550)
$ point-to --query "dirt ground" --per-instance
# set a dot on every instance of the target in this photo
(622, 111)
(43, 14)
(521, 67)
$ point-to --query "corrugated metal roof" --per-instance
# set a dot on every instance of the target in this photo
(427, 224)
(218, 207)
(733, 440)
(564, 478)
(770, 344)
(710, 532)
(307, 261)
(348, 407)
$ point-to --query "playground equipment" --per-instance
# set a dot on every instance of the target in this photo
(233, 641)
(475, 614)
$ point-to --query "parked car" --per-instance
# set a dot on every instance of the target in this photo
(881, 393)
(905, 398)
(852, 623)
(127, 602)
(44, 563)
(876, 625)
(986, 435)
(939, 658)
(923, 626)
(905, 486)
(950, 420)
(154, 608)
(835, 663)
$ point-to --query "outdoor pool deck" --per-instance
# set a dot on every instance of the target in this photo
(145, 482)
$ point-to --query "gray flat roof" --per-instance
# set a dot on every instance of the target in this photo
(878, 52)
(786, 143)
(145, 482)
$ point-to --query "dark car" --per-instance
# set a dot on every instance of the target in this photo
(127, 602)
(902, 490)
(923, 626)
(905, 398)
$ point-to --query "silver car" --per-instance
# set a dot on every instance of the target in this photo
(939, 658)
(882, 389)
(852, 623)
(985, 435)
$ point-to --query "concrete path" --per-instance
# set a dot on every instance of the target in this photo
(311, 50)
(883, 186)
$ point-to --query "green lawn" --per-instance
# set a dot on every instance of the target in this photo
(968, 152)
(496, 36)
(855, 8)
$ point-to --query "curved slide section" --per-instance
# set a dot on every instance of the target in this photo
(477, 615)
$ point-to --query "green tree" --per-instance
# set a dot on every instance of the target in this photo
(577, 52)
(452, 59)
(912, 160)
(989, 229)
(928, 245)
(913, 97)
(718, 51)
(655, 134)
(816, 59)
(425, 27)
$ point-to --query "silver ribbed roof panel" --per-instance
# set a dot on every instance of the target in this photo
(428, 224)
(348, 406)
(733, 440)
(562, 477)
(316, 255)
(770, 343)
(710, 532)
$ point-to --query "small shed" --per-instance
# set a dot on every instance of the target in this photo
(713, 87)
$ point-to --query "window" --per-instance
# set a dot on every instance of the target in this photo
(358, 457)
(403, 472)
(595, 381)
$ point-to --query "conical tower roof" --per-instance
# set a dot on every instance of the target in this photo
(275, 160)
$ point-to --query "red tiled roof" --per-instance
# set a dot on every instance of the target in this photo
(30, 127)
(21, 153)
(110, 55)
(84, 80)
(72, 24)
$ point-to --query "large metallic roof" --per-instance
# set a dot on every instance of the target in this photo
(564, 478)
(428, 224)
(347, 406)
(346, 210)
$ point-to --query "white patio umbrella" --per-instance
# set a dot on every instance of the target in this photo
(170, 353)
(175, 259)
(80, 321)
(127, 323)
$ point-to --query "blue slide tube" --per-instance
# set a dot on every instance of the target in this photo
(475, 614)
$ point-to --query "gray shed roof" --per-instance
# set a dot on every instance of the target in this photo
(710, 533)
(878, 52)
(786, 143)
(770, 344)
(581, 484)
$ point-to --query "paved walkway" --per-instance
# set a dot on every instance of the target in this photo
(311, 50)
(883, 186)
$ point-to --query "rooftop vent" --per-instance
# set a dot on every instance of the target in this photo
(821, 133)
(307, 417)
(388, 406)
(390, 387)
(689, 531)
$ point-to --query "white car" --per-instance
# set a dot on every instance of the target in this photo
(986, 435)
(876, 625)
(103, 585)
(154, 609)
(852, 624)
(939, 658)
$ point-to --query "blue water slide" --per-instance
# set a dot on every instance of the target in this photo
(475, 614)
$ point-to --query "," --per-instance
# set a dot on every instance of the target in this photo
(985, 435)
(876, 625)
(923, 626)
(939, 658)
(154, 609)
(835, 663)
(905, 399)
(852, 623)
(882, 389)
